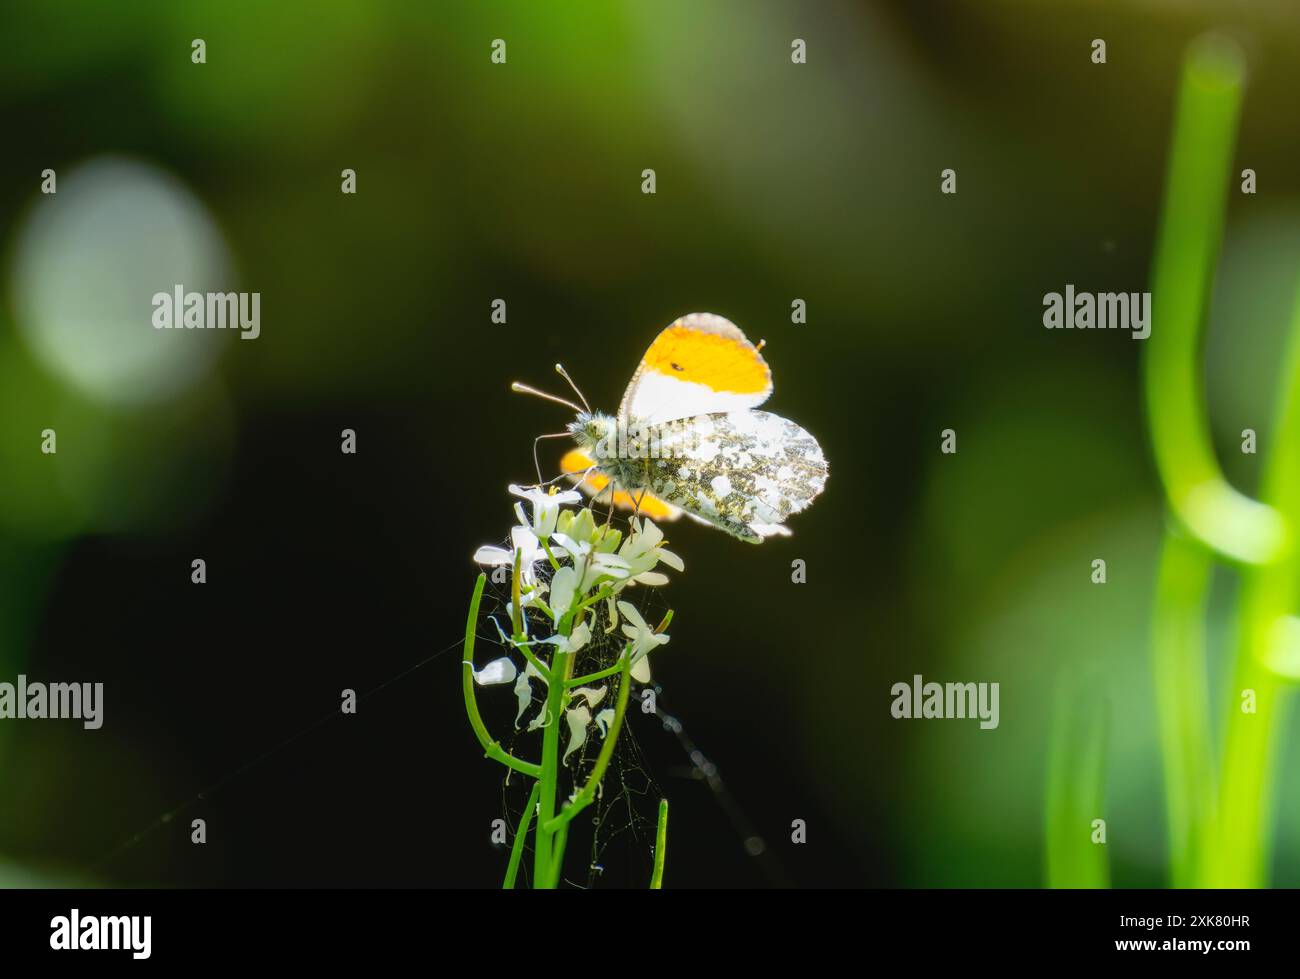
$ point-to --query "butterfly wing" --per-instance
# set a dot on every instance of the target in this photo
(580, 467)
(699, 365)
(743, 471)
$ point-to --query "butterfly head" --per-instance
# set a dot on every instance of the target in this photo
(594, 432)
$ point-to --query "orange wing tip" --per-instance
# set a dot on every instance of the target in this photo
(716, 360)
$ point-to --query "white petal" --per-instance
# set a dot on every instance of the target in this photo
(604, 719)
(652, 578)
(568, 543)
(578, 719)
(632, 615)
(671, 559)
(498, 671)
(523, 693)
(641, 669)
(493, 555)
(579, 637)
(505, 640)
(563, 586)
(593, 695)
(650, 533)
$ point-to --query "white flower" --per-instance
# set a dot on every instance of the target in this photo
(578, 718)
(524, 690)
(546, 508)
(529, 596)
(602, 566)
(642, 552)
(644, 641)
(543, 719)
(577, 638)
(523, 540)
(498, 671)
(564, 588)
(593, 564)
(593, 695)
(604, 719)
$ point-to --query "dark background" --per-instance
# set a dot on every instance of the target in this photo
(522, 181)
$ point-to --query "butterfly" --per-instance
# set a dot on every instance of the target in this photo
(687, 439)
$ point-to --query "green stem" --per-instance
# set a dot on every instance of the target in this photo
(521, 644)
(545, 851)
(557, 856)
(490, 746)
(661, 847)
(1076, 788)
(1187, 248)
(1240, 854)
(588, 794)
(600, 596)
(555, 565)
(593, 677)
(1234, 848)
(1182, 699)
(521, 834)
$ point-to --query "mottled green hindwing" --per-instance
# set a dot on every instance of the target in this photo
(743, 471)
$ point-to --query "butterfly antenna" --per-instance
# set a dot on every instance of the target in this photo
(525, 389)
(536, 462)
(559, 369)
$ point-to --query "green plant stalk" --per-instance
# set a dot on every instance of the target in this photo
(1187, 247)
(1182, 699)
(1240, 855)
(1076, 782)
(557, 856)
(661, 847)
(490, 746)
(521, 834)
(588, 794)
(545, 853)
(551, 829)
(559, 826)
(1235, 842)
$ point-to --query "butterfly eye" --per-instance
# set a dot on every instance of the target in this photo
(677, 367)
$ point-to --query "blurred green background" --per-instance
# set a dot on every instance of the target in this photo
(522, 181)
